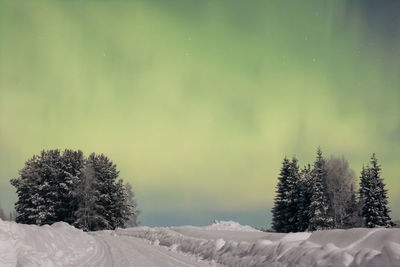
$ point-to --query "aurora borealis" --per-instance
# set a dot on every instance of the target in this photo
(197, 102)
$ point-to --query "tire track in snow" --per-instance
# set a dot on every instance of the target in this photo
(132, 251)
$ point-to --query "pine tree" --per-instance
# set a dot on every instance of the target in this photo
(285, 217)
(279, 211)
(89, 215)
(45, 187)
(319, 206)
(35, 188)
(373, 196)
(125, 206)
(72, 165)
(364, 184)
(305, 198)
(112, 194)
(106, 174)
(297, 195)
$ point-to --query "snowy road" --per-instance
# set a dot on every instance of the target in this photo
(132, 251)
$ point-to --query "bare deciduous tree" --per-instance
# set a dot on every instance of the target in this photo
(339, 183)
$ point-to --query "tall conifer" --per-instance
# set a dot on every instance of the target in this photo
(305, 187)
(373, 196)
(285, 217)
(320, 218)
(280, 214)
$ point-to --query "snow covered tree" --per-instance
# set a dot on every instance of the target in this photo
(45, 187)
(89, 215)
(56, 186)
(320, 218)
(285, 217)
(298, 196)
(125, 207)
(71, 164)
(133, 206)
(106, 174)
(112, 193)
(37, 196)
(119, 208)
(280, 210)
(373, 196)
(364, 184)
(339, 183)
(304, 198)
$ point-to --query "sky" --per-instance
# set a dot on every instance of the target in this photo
(198, 101)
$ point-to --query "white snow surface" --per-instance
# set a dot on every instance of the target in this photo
(63, 245)
(222, 243)
(229, 226)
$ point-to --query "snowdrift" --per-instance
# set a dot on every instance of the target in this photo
(231, 244)
(57, 245)
(226, 243)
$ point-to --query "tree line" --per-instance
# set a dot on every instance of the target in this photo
(323, 196)
(85, 192)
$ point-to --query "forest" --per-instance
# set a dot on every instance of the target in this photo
(323, 196)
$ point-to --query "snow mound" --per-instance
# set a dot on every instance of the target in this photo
(57, 245)
(347, 248)
(229, 226)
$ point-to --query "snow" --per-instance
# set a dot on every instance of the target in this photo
(222, 243)
(63, 245)
(229, 226)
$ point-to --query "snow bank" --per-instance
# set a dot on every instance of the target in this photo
(355, 247)
(57, 245)
(229, 226)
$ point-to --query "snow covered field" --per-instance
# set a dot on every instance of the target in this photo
(222, 243)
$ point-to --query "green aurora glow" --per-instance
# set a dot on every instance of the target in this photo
(197, 102)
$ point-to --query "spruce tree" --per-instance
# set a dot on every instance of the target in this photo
(37, 196)
(280, 209)
(297, 195)
(72, 165)
(106, 173)
(305, 198)
(112, 194)
(320, 218)
(89, 215)
(364, 184)
(122, 208)
(373, 196)
(285, 217)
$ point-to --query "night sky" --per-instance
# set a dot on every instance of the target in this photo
(197, 102)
